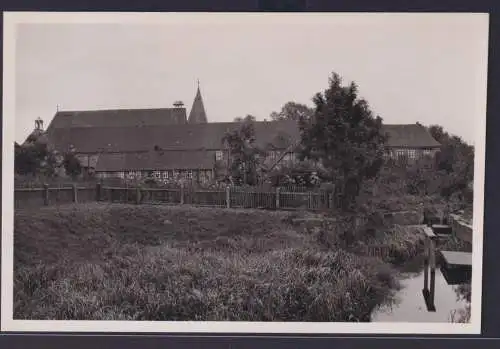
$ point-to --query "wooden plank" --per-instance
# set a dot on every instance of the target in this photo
(441, 229)
(457, 259)
(456, 276)
(428, 232)
(25, 190)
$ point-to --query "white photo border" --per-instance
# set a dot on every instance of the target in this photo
(13, 19)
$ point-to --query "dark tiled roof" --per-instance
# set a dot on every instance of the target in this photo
(119, 118)
(173, 137)
(156, 160)
(409, 136)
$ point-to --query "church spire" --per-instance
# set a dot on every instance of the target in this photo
(197, 114)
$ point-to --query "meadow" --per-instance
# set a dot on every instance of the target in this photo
(101, 261)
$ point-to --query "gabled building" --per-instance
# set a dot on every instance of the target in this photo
(412, 141)
(166, 144)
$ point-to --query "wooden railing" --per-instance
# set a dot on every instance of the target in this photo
(46, 195)
(227, 197)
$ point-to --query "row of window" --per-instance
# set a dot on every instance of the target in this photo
(168, 174)
(273, 155)
(410, 153)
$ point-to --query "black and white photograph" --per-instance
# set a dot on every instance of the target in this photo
(249, 173)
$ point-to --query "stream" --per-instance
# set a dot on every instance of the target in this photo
(409, 304)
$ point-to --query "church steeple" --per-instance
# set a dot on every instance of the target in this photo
(197, 114)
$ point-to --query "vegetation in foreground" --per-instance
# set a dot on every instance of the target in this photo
(99, 261)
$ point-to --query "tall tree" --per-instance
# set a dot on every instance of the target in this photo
(244, 154)
(344, 136)
(293, 111)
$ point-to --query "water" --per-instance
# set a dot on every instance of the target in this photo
(409, 304)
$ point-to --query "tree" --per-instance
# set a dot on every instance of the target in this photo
(244, 156)
(344, 136)
(72, 165)
(456, 159)
(248, 118)
(293, 111)
(26, 161)
(33, 158)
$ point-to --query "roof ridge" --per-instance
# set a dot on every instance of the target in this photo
(114, 109)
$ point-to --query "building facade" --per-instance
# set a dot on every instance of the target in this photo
(166, 144)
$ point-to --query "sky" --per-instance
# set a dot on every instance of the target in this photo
(410, 68)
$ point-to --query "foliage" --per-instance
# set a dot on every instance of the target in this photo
(456, 159)
(344, 136)
(293, 111)
(72, 165)
(248, 118)
(303, 173)
(35, 158)
(245, 155)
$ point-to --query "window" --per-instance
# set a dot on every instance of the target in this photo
(219, 155)
(189, 174)
(165, 174)
(412, 153)
(157, 174)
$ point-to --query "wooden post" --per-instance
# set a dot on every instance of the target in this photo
(426, 265)
(433, 273)
(430, 262)
(98, 192)
(278, 197)
(137, 195)
(46, 194)
(228, 197)
(75, 193)
(182, 193)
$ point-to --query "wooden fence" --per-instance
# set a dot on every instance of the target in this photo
(228, 197)
(46, 195)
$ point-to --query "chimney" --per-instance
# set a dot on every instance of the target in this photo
(39, 124)
(178, 104)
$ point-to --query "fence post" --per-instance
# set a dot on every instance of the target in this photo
(46, 194)
(228, 197)
(98, 192)
(182, 193)
(75, 193)
(137, 195)
(278, 197)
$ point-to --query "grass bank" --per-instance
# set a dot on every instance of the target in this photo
(125, 262)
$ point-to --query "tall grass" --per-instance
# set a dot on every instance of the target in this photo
(100, 261)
